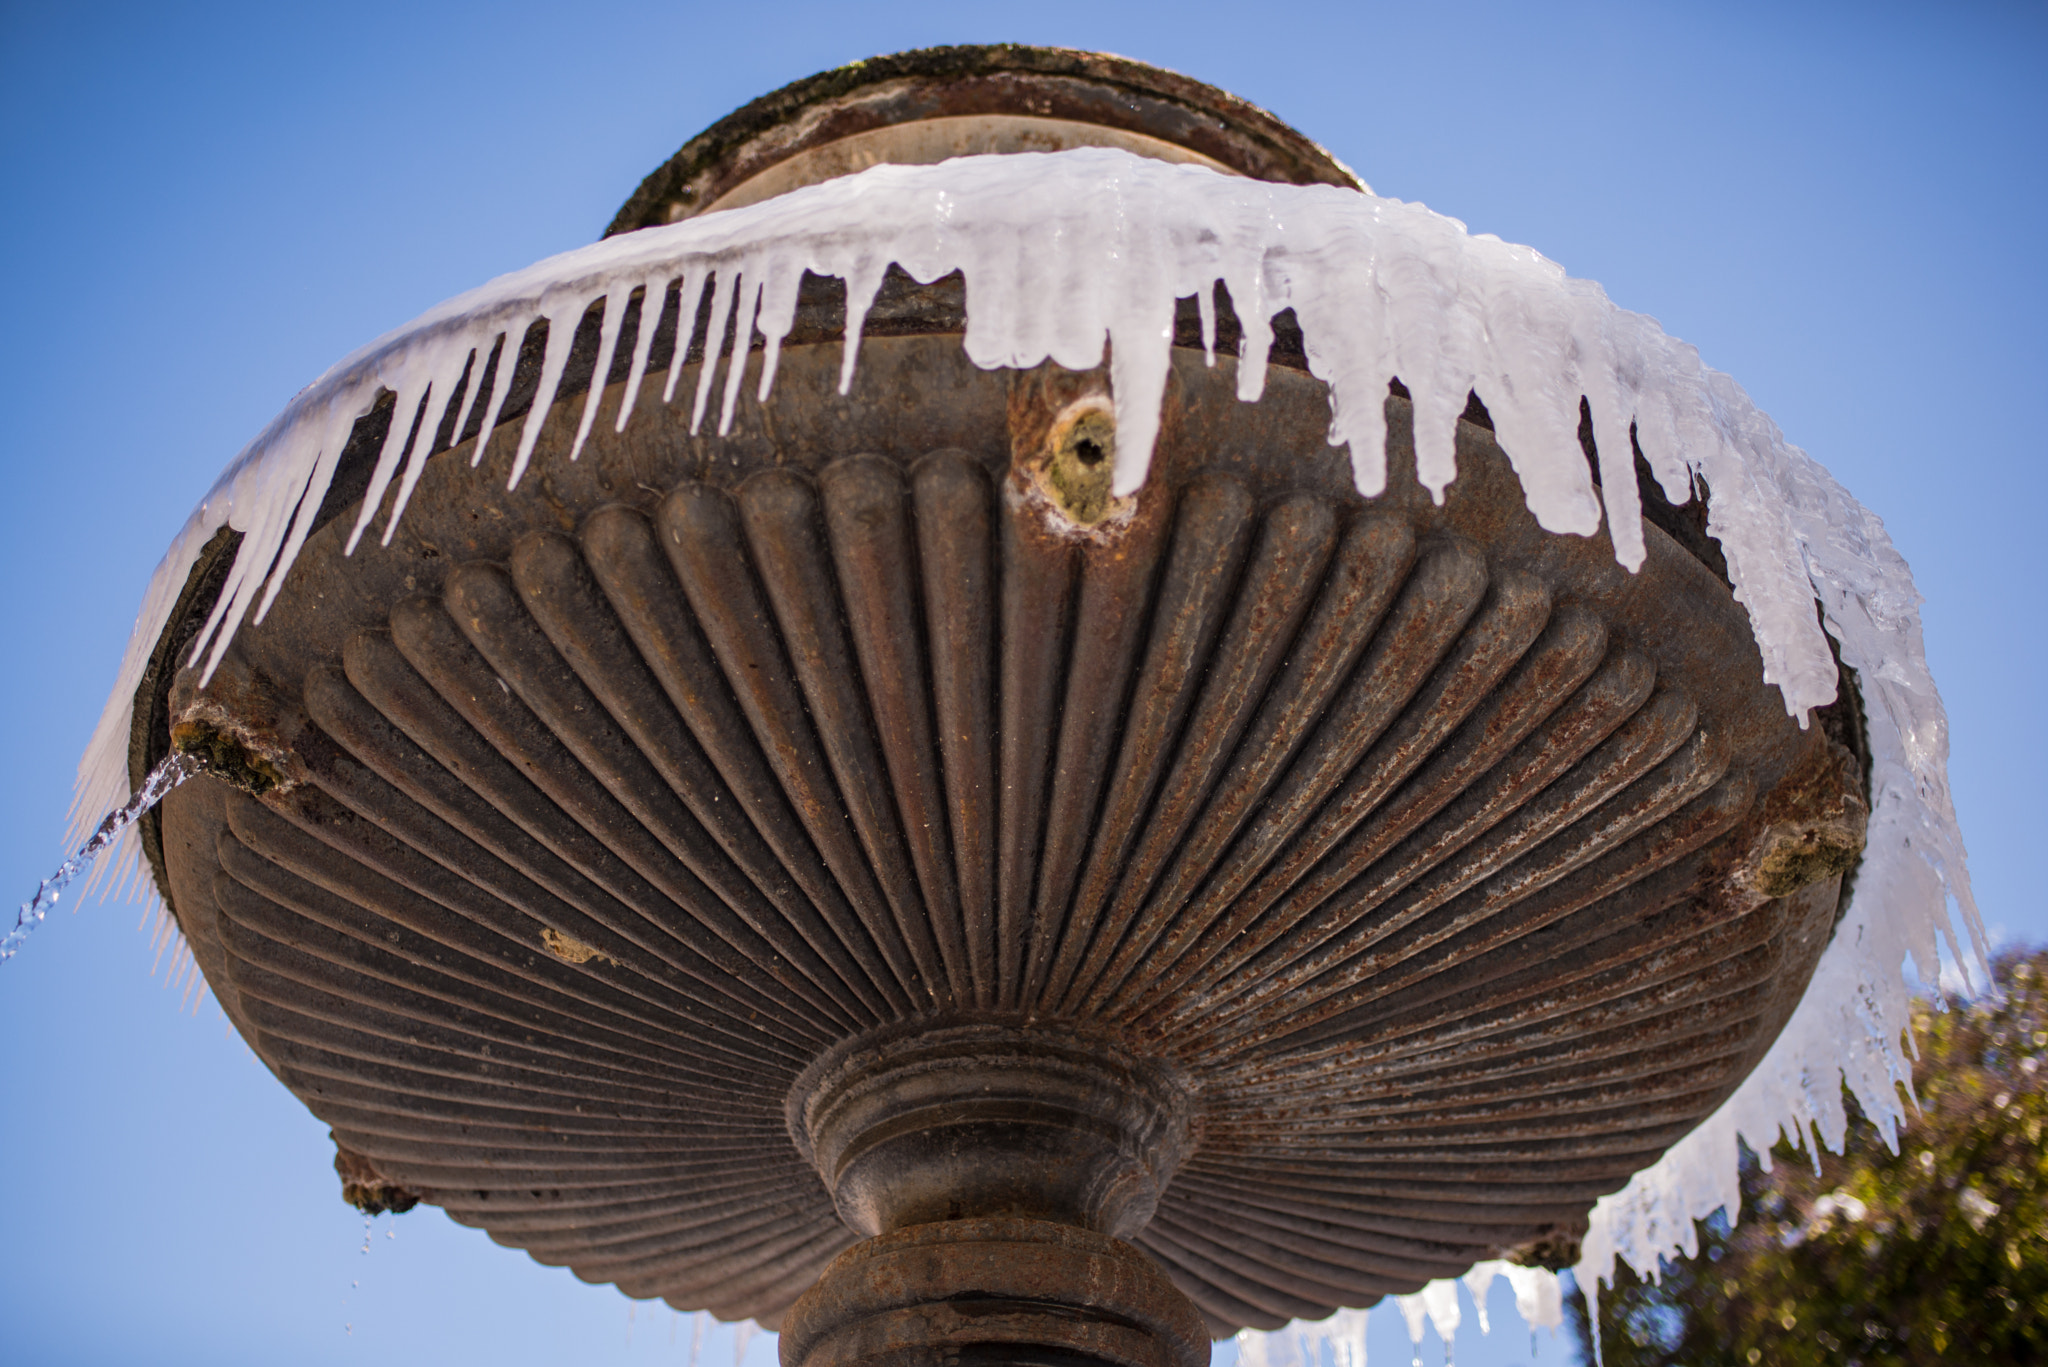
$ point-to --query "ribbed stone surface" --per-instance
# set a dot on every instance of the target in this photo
(1413, 836)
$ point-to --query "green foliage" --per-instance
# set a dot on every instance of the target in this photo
(1936, 1254)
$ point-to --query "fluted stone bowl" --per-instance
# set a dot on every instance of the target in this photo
(1428, 872)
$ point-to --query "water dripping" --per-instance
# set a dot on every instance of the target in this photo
(160, 780)
(356, 1283)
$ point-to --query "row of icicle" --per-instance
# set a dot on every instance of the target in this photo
(1063, 253)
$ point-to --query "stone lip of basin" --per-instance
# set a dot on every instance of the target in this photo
(856, 873)
(948, 100)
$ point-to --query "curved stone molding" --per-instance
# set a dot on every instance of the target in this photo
(926, 1121)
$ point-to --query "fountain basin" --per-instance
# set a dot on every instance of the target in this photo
(1433, 872)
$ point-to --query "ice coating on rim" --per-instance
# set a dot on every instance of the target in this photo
(1065, 252)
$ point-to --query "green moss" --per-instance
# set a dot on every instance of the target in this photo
(226, 757)
(1082, 464)
(1800, 863)
(378, 1198)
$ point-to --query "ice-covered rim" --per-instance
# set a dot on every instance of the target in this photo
(1065, 252)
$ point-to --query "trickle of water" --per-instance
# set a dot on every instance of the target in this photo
(166, 776)
(365, 1250)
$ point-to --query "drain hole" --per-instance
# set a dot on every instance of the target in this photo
(1080, 461)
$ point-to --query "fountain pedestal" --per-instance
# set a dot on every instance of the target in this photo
(994, 1167)
(994, 1291)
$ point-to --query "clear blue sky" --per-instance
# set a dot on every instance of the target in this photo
(206, 206)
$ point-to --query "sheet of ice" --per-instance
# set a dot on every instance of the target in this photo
(1067, 252)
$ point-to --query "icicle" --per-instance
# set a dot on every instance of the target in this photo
(653, 302)
(775, 315)
(1416, 1312)
(863, 282)
(1205, 305)
(742, 347)
(607, 343)
(1440, 1298)
(689, 299)
(1538, 1297)
(416, 462)
(727, 290)
(1436, 1303)
(562, 328)
(332, 442)
(1343, 1333)
(408, 410)
(1478, 1280)
(488, 351)
(508, 347)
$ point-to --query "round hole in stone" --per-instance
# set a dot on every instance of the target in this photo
(1081, 461)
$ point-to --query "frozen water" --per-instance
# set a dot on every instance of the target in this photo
(1539, 1299)
(160, 780)
(1301, 1343)
(1437, 1303)
(1066, 253)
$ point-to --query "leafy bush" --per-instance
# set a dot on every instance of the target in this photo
(1935, 1254)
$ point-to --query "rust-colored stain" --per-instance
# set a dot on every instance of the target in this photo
(567, 948)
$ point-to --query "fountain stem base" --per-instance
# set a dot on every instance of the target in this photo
(993, 1291)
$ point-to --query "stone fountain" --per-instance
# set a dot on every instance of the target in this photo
(862, 872)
